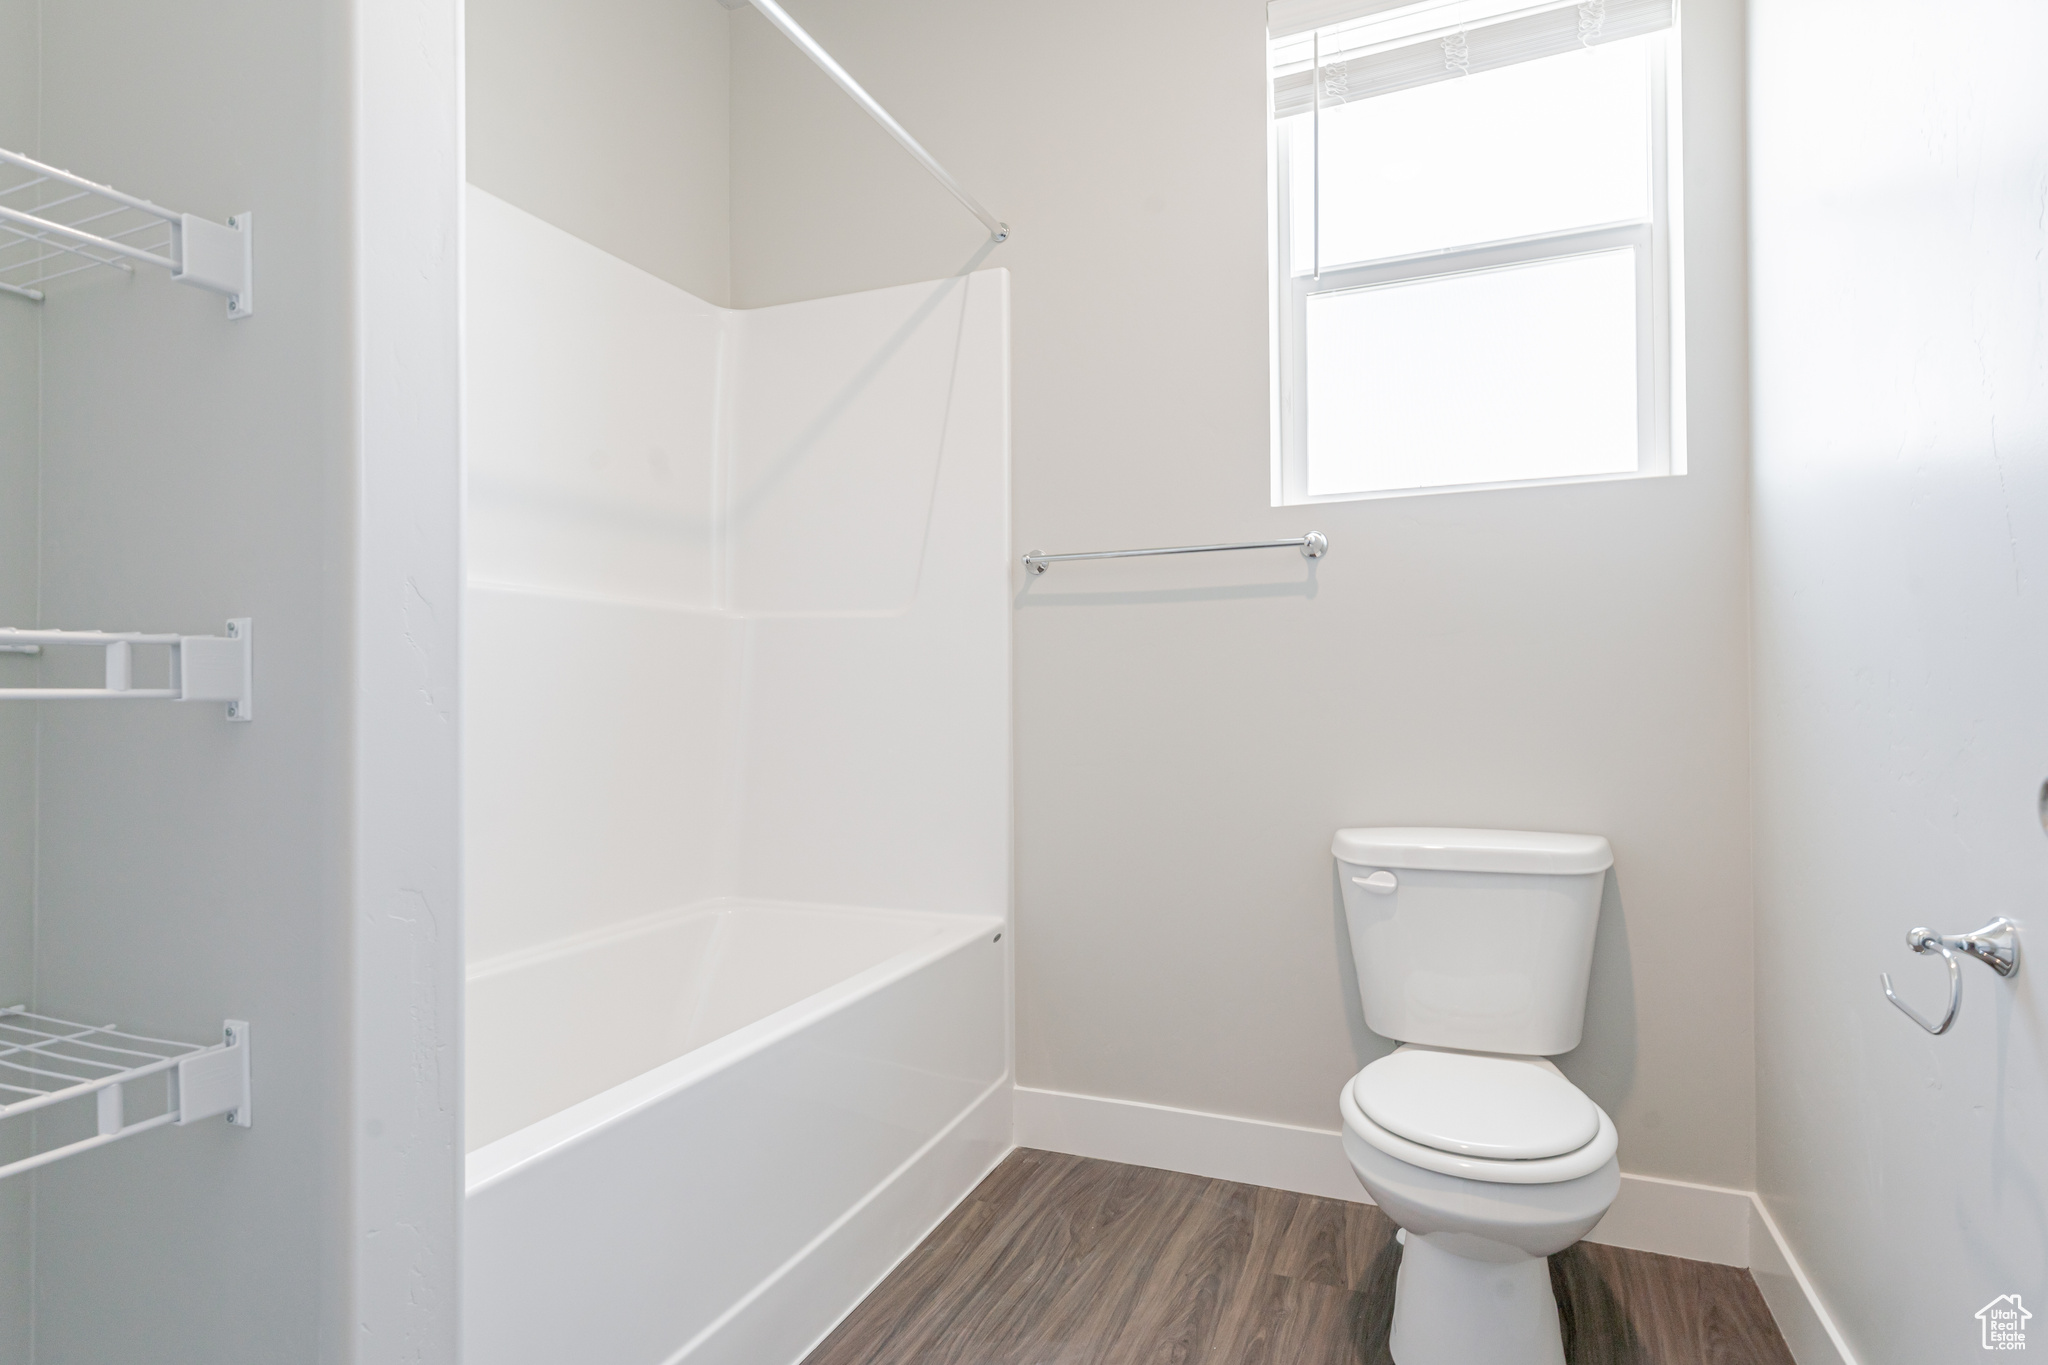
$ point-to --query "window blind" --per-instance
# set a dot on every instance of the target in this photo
(1359, 68)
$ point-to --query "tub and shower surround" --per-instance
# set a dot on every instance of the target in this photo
(738, 797)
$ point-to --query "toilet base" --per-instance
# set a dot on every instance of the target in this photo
(1474, 1283)
(1452, 1309)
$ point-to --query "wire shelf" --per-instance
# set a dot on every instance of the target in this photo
(54, 223)
(35, 247)
(47, 1061)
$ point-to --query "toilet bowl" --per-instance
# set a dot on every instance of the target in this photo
(1473, 950)
(1474, 1282)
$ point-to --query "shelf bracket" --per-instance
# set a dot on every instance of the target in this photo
(216, 1081)
(220, 668)
(219, 257)
(45, 1061)
(59, 223)
(216, 668)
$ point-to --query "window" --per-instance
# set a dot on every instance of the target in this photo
(1474, 245)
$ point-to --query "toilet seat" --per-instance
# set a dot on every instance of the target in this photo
(1481, 1104)
(1549, 1170)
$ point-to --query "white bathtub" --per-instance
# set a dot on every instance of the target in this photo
(703, 1136)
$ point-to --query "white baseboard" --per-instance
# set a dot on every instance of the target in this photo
(1670, 1217)
(1809, 1329)
(1250, 1151)
(1678, 1218)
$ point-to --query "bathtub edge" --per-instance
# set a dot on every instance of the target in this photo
(498, 1160)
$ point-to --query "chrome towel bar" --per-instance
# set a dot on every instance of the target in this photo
(1314, 545)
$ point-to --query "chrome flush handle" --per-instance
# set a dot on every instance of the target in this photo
(1996, 945)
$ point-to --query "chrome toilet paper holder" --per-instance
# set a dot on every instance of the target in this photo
(1996, 945)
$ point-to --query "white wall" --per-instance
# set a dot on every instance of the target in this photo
(599, 692)
(1190, 732)
(869, 517)
(594, 417)
(189, 870)
(602, 712)
(735, 619)
(1901, 522)
(609, 118)
(19, 328)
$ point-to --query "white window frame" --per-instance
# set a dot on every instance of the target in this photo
(1657, 240)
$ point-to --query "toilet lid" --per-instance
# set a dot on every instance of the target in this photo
(1476, 1104)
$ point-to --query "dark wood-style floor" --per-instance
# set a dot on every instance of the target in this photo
(1059, 1260)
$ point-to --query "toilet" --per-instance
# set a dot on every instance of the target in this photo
(1473, 948)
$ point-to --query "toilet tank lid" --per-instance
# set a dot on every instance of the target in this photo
(1473, 850)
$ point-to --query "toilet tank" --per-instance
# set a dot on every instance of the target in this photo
(1480, 939)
